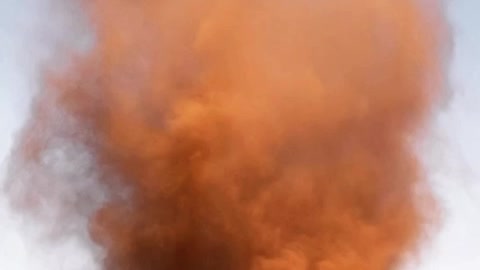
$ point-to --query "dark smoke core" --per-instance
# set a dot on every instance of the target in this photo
(263, 135)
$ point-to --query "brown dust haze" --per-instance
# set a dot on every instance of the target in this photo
(251, 135)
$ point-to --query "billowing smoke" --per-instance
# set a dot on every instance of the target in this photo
(234, 134)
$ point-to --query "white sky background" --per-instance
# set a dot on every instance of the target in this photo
(455, 168)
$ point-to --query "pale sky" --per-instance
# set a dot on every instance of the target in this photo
(453, 156)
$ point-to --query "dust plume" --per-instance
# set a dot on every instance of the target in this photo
(262, 135)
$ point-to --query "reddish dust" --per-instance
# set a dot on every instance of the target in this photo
(263, 135)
